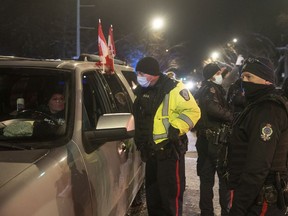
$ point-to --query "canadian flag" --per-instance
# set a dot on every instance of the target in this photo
(111, 50)
(111, 45)
(102, 45)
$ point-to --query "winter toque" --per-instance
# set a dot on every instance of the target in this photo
(148, 65)
(210, 70)
(261, 67)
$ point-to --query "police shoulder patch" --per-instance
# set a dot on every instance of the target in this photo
(266, 132)
(185, 94)
(212, 90)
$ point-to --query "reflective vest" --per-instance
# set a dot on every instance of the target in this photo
(178, 109)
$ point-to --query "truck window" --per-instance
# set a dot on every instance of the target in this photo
(95, 101)
(131, 78)
(119, 93)
(27, 111)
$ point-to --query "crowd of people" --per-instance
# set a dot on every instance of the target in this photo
(242, 136)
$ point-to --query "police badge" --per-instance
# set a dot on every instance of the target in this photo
(184, 93)
(212, 90)
(266, 132)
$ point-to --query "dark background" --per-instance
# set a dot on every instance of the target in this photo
(193, 29)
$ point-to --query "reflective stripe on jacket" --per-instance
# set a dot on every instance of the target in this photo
(179, 109)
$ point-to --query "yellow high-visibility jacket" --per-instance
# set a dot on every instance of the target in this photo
(178, 109)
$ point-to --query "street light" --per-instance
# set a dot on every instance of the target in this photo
(154, 37)
(215, 56)
(157, 23)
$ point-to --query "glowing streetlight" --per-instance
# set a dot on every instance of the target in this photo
(157, 23)
(215, 56)
(190, 85)
(235, 40)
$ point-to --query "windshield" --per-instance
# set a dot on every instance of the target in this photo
(33, 104)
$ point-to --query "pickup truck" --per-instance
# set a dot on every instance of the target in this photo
(86, 163)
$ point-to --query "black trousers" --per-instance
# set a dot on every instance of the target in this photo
(206, 170)
(263, 210)
(165, 184)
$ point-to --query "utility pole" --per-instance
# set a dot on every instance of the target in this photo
(79, 27)
(78, 30)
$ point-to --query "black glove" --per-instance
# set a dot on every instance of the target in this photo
(173, 134)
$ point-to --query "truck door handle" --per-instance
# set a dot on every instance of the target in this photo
(122, 148)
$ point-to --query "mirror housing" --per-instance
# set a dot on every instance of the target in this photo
(112, 127)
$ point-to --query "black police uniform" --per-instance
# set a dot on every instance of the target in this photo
(236, 98)
(214, 112)
(257, 154)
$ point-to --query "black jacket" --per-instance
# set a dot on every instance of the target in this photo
(235, 98)
(258, 149)
(214, 108)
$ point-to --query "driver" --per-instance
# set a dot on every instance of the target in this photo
(55, 107)
(49, 119)
(54, 123)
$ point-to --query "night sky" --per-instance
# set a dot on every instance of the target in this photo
(201, 25)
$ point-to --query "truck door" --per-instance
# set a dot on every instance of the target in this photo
(108, 164)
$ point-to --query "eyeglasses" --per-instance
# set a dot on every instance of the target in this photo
(254, 60)
(58, 100)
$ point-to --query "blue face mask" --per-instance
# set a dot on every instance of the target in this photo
(143, 81)
(218, 79)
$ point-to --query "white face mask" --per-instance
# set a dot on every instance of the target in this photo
(218, 79)
(143, 81)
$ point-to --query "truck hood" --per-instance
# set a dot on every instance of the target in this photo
(12, 163)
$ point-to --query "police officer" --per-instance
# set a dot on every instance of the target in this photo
(164, 112)
(235, 95)
(259, 145)
(236, 98)
(214, 113)
(284, 88)
(171, 74)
